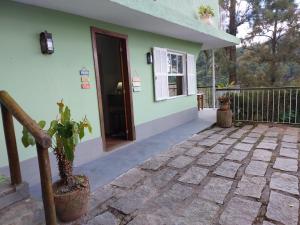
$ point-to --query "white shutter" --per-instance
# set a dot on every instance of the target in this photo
(191, 74)
(160, 60)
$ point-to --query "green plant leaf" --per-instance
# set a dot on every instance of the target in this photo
(81, 131)
(66, 116)
(27, 138)
(68, 149)
(53, 128)
(42, 124)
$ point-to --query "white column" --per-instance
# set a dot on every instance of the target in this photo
(213, 80)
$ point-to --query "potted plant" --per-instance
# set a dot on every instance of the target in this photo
(205, 13)
(71, 192)
(224, 103)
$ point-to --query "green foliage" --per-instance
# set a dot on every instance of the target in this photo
(66, 132)
(2, 179)
(276, 24)
(206, 10)
(226, 85)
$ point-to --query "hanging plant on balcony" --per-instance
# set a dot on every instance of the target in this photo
(206, 13)
(71, 192)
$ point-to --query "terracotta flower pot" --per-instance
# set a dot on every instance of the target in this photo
(206, 19)
(71, 205)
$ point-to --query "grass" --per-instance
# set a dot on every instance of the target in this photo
(2, 179)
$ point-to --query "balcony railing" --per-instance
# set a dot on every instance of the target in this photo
(276, 105)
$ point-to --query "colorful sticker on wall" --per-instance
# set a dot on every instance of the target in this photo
(84, 72)
(85, 78)
(85, 85)
(136, 84)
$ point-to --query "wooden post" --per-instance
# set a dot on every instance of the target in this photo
(46, 184)
(11, 145)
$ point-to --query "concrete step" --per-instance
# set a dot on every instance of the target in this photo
(25, 212)
(10, 194)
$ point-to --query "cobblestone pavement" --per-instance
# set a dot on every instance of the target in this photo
(235, 176)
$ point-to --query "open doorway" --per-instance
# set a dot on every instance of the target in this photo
(113, 88)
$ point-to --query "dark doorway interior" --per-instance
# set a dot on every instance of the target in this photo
(109, 50)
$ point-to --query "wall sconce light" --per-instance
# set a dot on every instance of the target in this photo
(46, 42)
(149, 58)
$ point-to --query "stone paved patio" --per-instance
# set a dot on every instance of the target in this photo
(235, 176)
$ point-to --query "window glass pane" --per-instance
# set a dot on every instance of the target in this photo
(169, 63)
(175, 85)
(180, 64)
(174, 63)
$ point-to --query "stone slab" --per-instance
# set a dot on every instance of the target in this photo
(262, 155)
(237, 155)
(256, 168)
(181, 161)
(174, 151)
(219, 149)
(286, 164)
(106, 218)
(155, 163)
(271, 134)
(267, 145)
(267, 223)
(255, 135)
(250, 140)
(199, 212)
(289, 152)
(251, 186)
(174, 196)
(162, 177)
(194, 175)
(217, 136)
(243, 147)
(270, 140)
(289, 145)
(283, 208)
(209, 159)
(208, 142)
(290, 138)
(216, 190)
(195, 151)
(240, 212)
(129, 178)
(284, 182)
(227, 169)
(228, 141)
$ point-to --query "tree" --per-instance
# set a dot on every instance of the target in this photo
(238, 12)
(274, 38)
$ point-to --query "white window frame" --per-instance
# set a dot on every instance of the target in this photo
(183, 74)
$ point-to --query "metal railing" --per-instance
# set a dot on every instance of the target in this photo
(268, 104)
(10, 109)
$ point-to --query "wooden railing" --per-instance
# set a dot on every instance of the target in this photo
(10, 109)
(261, 104)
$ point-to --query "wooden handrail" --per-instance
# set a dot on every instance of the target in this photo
(13, 107)
(10, 109)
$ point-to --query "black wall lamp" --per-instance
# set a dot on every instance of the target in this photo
(149, 58)
(46, 42)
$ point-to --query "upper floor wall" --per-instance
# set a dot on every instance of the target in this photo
(190, 7)
(186, 8)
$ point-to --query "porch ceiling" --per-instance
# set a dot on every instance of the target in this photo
(136, 16)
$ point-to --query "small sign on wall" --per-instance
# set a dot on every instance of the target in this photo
(85, 78)
(136, 84)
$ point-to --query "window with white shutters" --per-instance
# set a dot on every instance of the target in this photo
(160, 57)
(174, 74)
(191, 75)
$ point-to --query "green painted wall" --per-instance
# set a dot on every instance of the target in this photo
(181, 12)
(38, 81)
